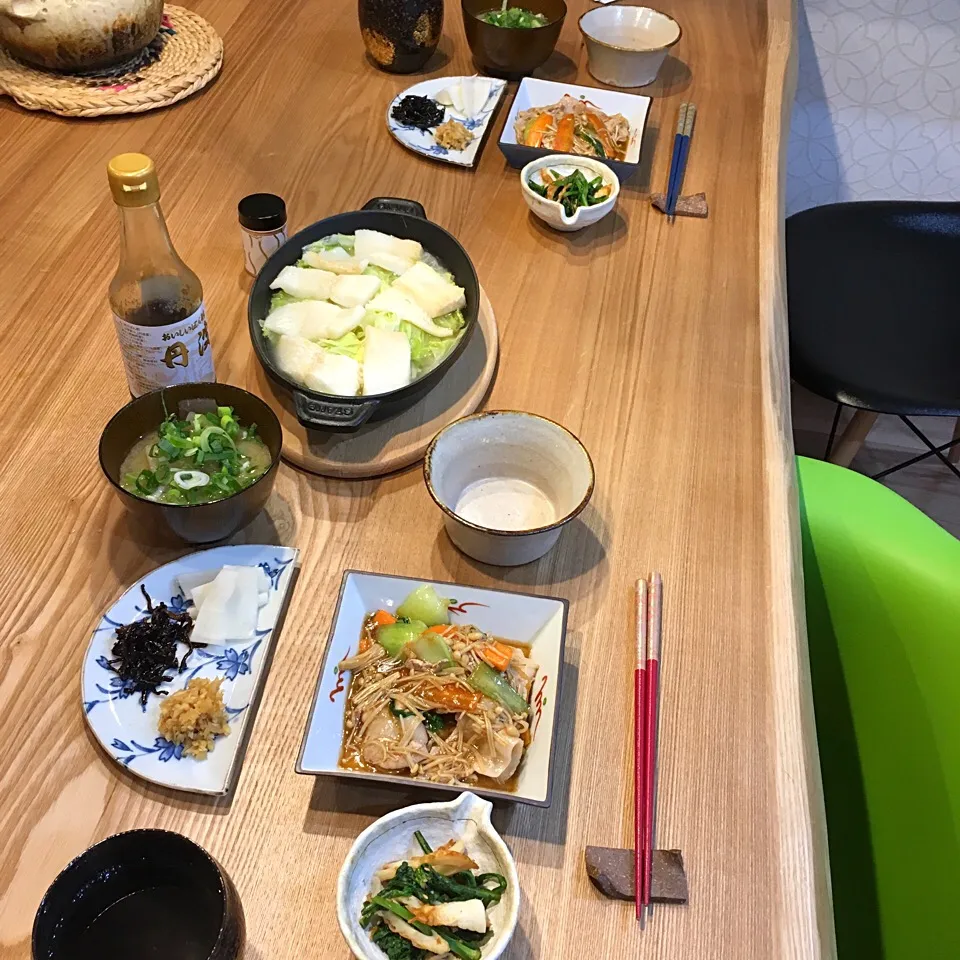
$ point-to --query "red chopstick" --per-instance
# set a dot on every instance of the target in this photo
(639, 756)
(651, 699)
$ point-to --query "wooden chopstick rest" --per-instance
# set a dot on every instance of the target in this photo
(611, 871)
(694, 205)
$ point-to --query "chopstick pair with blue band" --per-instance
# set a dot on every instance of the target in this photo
(678, 163)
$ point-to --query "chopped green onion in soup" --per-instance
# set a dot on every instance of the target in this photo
(199, 459)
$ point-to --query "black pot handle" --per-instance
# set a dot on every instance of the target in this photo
(330, 415)
(409, 208)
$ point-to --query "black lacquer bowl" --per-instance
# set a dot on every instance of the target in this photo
(195, 522)
(145, 894)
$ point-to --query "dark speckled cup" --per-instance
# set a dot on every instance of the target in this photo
(400, 35)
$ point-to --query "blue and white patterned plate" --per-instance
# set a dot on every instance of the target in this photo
(128, 731)
(423, 142)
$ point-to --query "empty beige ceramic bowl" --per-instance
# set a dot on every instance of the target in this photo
(552, 212)
(507, 483)
(626, 45)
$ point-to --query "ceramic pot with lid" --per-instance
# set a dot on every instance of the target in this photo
(67, 35)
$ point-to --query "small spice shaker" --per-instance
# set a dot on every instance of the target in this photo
(263, 224)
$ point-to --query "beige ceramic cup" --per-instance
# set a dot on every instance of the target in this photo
(626, 45)
(507, 483)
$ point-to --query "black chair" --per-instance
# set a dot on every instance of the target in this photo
(873, 292)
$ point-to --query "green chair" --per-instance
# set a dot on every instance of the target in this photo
(882, 585)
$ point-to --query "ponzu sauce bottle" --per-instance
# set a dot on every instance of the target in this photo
(157, 300)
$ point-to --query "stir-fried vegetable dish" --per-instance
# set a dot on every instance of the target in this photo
(436, 700)
(197, 459)
(571, 191)
(433, 905)
(574, 126)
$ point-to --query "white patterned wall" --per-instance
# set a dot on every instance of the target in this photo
(877, 113)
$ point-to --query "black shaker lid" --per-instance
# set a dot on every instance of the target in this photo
(262, 211)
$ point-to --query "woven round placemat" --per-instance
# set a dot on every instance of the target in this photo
(184, 57)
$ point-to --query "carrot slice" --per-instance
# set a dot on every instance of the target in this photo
(603, 135)
(442, 628)
(497, 654)
(382, 619)
(563, 139)
(453, 699)
(533, 137)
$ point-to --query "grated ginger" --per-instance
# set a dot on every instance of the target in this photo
(194, 717)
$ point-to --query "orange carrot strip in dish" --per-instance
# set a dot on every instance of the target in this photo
(535, 132)
(563, 139)
(442, 628)
(453, 698)
(497, 654)
(603, 135)
(381, 618)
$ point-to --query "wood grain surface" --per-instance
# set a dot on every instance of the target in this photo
(660, 346)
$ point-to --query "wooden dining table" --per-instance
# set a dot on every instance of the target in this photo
(662, 346)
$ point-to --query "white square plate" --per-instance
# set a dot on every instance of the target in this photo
(127, 730)
(539, 621)
(423, 142)
(543, 93)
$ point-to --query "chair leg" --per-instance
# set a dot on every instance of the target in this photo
(934, 451)
(851, 440)
(954, 455)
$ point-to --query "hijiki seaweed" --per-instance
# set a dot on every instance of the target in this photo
(420, 112)
(147, 648)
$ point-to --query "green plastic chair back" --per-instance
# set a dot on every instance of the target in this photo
(882, 584)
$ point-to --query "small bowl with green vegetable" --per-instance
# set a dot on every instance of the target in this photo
(511, 38)
(449, 857)
(569, 193)
(197, 458)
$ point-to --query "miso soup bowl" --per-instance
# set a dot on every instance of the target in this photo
(128, 863)
(512, 52)
(197, 522)
(507, 483)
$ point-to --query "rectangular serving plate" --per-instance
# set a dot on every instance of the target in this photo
(539, 621)
(542, 93)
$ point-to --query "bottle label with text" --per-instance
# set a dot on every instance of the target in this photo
(157, 357)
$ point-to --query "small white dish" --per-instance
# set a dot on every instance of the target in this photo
(539, 621)
(391, 838)
(552, 212)
(423, 141)
(542, 93)
(626, 45)
(507, 483)
(128, 732)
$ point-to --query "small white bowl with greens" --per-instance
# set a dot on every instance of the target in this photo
(568, 192)
(426, 877)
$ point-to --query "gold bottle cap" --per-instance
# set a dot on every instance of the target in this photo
(133, 180)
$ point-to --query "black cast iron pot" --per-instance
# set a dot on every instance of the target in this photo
(400, 218)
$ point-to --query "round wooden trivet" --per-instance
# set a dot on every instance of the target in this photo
(387, 445)
(185, 56)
